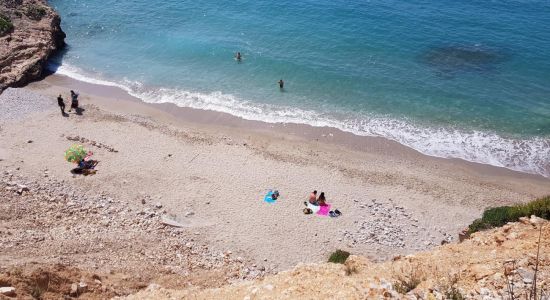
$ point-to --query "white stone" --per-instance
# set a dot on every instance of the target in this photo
(7, 291)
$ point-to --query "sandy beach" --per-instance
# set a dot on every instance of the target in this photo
(210, 172)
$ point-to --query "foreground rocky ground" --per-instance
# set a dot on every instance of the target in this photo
(496, 264)
(58, 241)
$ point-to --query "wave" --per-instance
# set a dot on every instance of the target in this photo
(531, 155)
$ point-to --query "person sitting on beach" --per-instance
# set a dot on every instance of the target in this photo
(321, 200)
(281, 84)
(87, 164)
(74, 101)
(61, 104)
(313, 198)
(238, 56)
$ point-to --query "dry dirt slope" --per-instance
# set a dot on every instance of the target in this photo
(479, 268)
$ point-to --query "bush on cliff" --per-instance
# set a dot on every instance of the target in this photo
(338, 257)
(5, 25)
(498, 216)
(35, 12)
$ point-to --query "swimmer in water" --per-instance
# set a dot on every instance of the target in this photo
(238, 56)
(281, 84)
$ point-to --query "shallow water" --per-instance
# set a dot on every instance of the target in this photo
(449, 78)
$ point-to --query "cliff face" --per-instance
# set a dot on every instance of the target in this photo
(30, 33)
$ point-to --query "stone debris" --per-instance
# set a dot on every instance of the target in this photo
(390, 225)
(19, 103)
(86, 141)
(8, 291)
(478, 268)
(50, 221)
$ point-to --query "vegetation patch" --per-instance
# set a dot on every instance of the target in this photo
(6, 25)
(35, 12)
(451, 290)
(407, 279)
(338, 257)
(498, 216)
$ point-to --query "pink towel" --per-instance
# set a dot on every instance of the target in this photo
(324, 210)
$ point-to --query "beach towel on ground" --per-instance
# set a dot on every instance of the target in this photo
(324, 210)
(268, 197)
(314, 208)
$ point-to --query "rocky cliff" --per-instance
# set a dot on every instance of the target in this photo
(30, 33)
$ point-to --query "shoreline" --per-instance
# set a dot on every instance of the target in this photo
(305, 132)
(482, 147)
(210, 171)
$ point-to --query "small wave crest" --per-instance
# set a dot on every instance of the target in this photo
(530, 155)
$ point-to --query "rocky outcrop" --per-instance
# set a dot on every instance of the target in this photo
(502, 263)
(30, 35)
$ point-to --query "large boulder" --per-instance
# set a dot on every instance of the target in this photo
(35, 35)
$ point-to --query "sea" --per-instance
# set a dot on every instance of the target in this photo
(456, 79)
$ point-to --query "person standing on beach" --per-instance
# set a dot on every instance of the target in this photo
(74, 101)
(281, 84)
(61, 104)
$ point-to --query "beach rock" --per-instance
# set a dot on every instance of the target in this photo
(536, 220)
(8, 291)
(35, 37)
(74, 290)
(82, 287)
(480, 271)
(167, 221)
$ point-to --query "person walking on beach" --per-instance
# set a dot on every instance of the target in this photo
(74, 101)
(281, 84)
(61, 104)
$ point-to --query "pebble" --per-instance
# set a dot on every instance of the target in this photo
(12, 108)
(8, 291)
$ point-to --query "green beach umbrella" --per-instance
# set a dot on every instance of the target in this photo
(75, 153)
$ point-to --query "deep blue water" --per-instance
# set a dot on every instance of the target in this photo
(466, 79)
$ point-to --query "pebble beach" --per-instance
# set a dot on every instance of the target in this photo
(211, 179)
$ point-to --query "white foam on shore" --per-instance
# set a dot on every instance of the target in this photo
(524, 155)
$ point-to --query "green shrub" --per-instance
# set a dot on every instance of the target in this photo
(35, 12)
(5, 25)
(338, 257)
(498, 216)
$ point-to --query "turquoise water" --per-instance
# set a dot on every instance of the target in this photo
(464, 79)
